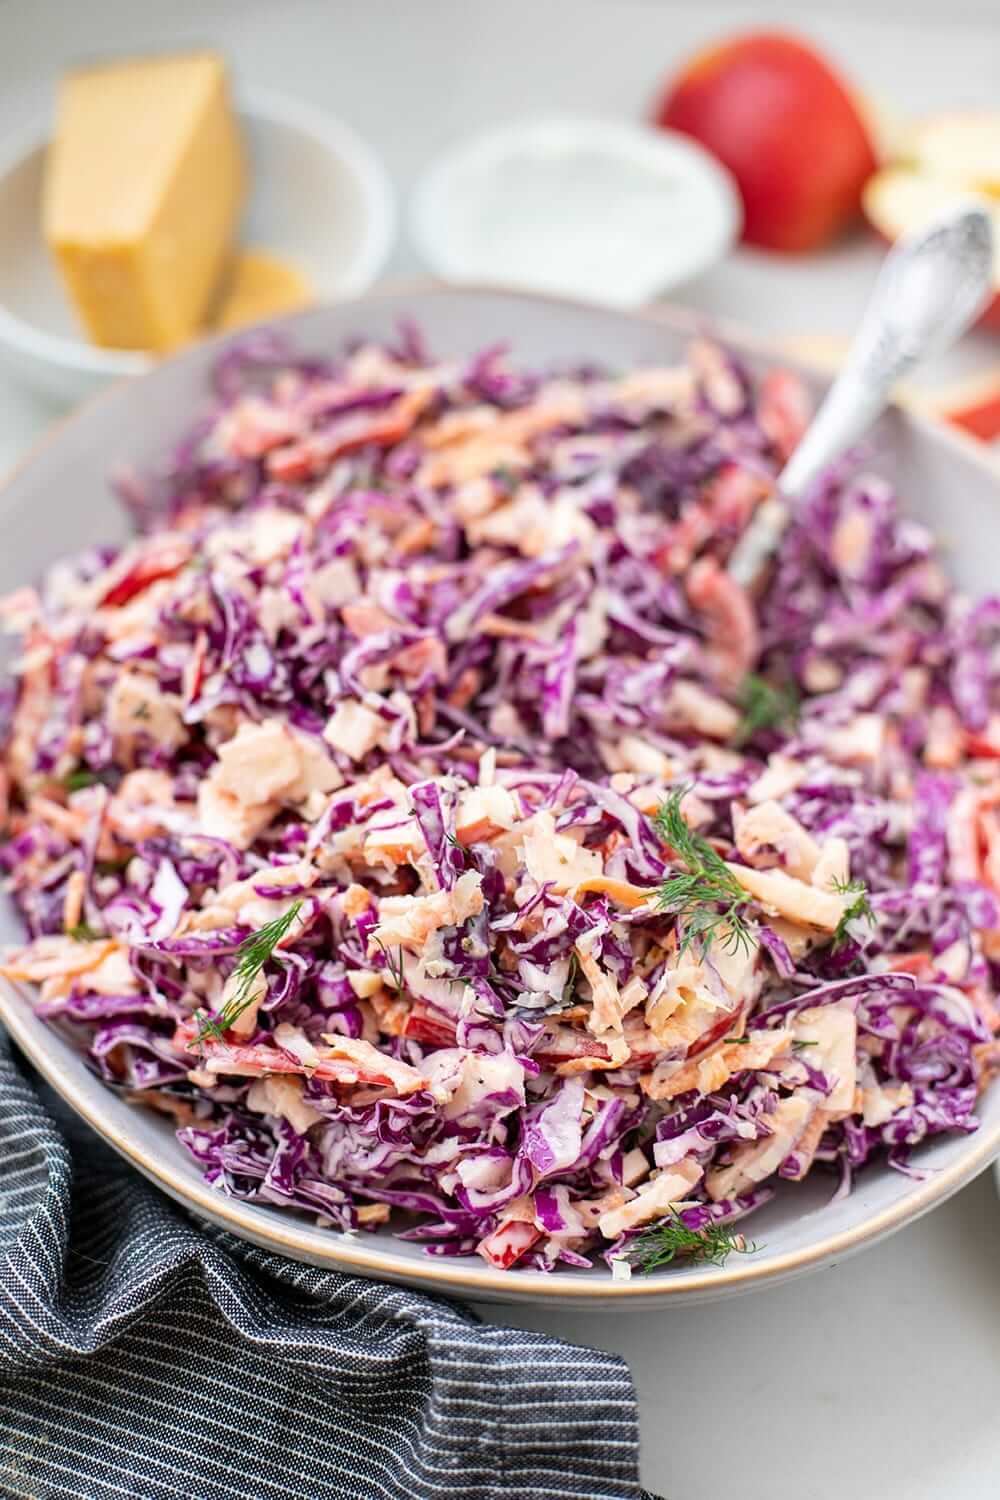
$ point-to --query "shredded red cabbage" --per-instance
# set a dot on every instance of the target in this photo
(334, 793)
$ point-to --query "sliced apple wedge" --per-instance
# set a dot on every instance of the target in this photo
(964, 147)
(898, 199)
(973, 404)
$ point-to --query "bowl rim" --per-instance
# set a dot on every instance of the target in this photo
(268, 1226)
(479, 154)
(53, 1055)
(339, 139)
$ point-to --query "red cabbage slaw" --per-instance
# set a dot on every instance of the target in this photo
(403, 660)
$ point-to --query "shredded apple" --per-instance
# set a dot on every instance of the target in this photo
(417, 813)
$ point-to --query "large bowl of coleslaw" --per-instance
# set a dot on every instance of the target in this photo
(422, 859)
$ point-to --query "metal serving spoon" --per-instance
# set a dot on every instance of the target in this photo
(931, 286)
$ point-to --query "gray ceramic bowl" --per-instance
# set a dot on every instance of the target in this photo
(59, 500)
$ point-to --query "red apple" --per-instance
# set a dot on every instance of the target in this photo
(787, 128)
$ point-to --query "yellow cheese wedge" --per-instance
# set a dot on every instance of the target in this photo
(143, 189)
(261, 285)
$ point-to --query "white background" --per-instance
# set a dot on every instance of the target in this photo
(878, 1379)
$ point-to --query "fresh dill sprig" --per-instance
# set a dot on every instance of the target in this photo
(456, 843)
(707, 897)
(76, 780)
(765, 706)
(83, 776)
(83, 933)
(572, 974)
(397, 976)
(860, 909)
(798, 1045)
(738, 1041)
(504, 475)
(251, 956)
(665, 1241)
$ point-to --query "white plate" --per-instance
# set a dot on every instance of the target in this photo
(318, 194)
(59, 500)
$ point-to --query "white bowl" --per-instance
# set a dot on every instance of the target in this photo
(317, 194)
(59, 500)
(609, 210)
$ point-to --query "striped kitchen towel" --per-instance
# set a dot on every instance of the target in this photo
(145, 1358)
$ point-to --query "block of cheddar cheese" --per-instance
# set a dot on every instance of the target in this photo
(143, 189)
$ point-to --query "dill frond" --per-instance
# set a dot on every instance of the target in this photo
(707, 899)
(572, 975)
(251, 956)
(83, 933)
(394, 965)
(75, 781)
(860, 909)
(665, 1241)
(765, 706)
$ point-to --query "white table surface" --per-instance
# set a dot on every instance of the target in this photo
(878, 1379)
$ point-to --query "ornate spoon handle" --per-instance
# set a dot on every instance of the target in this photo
(931, 287)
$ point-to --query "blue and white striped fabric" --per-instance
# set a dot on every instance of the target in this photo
(143, 1358)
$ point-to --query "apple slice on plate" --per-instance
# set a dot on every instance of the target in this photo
(973, 404)
(963, 146)
(948, 159)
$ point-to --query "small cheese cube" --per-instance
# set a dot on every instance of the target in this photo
(261, 286)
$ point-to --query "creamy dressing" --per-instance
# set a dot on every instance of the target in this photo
(584, 208)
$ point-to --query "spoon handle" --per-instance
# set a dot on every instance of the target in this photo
(931, 287)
